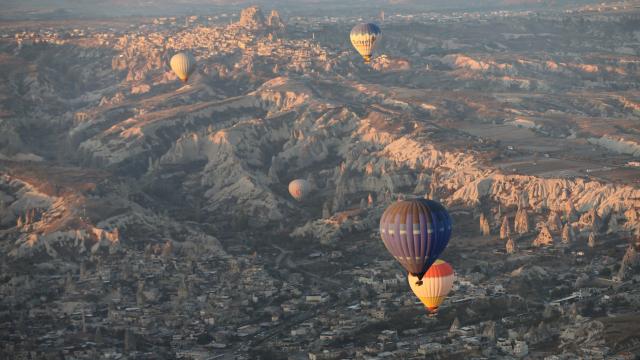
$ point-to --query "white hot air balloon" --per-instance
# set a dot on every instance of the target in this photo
(183, 64)
(364, 38)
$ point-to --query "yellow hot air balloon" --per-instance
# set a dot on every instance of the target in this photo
(183, 64)
(299, 189)
(364, 37)
(436, 285)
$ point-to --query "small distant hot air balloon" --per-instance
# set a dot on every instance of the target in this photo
(415, 232)
(436, 285)
(363, 38)
(183, 64)
(299, 189)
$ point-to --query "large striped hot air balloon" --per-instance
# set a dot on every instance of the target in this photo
(299, 189)
(363, 38)
(436, 285)
(183, 64)
(415, 232)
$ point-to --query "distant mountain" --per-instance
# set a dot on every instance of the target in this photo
(39, 9)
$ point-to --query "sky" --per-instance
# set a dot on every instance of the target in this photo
(56, 9)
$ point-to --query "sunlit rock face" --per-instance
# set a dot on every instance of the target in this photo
(554, 223)
(521, 223)
(253, 18)
(511, 246)
(544, 238)
(630, 261)
(485, 229)
(275, 21)
(505, 228)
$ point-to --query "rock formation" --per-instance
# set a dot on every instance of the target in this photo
(592, 242)
(324, 231)
(485, 230)
(612, 225)
(630, 260)
(583, 334)
(570, 212)
(167, 249)
(489, 330)
(521, 222)
(511, 246)
(554, 223)
(633, 220)
(433, 190)
(272, 175)
(568, 235)
(631, 257)
(591, 220)
(338, 199)
(252, 18)
(505, 228)
(544, 238)
(274, 21)
(531, 273)
(455, 325)
(326, 210)
(538, 334)
(140, 297)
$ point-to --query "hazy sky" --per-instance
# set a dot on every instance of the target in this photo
(42, 9)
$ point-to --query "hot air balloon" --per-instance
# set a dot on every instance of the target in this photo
(436, 285)
(183, 64)
(415, 232)
(363, 38)
(299, 189)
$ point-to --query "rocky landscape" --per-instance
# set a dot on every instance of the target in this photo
(144, 218)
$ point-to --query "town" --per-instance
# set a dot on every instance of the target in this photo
(144, 218)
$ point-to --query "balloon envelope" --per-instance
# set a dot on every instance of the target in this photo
(299, 189)
(415, 232)
(364, 37)
(183, 64)
(435, 286)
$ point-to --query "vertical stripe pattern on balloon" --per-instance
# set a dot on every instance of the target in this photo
(415, 232)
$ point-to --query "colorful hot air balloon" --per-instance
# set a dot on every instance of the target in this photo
(183, 64)
(299, 189)
(415, 232)
(363, 38)
(436, 285)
